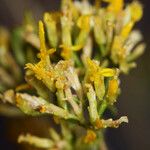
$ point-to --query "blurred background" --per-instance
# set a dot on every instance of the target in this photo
(134, 100)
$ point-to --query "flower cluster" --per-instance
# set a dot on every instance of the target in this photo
(80, 26)
(62, 79)
(69, 80)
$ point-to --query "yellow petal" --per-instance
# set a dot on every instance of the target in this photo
(42, 36)
(127, 29)
(115, 5)
(107, 72)
(112, 88)
(84, 22)
(76, 47)
(51, 51)
(136, 11)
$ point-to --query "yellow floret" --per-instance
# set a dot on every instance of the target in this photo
(136, 11)
(67, 51)
(42, 36)
(107, 72)
(115, 5)
(84, 22)
(113, 87)
(127, 29)
(95, 69)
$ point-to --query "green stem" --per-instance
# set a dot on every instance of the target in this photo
(75, 106)
(77, 60)
(33, 105)
(102, 108)
(61, 98)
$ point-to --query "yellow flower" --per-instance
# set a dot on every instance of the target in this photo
(136, 11)
(84, 22)
(93, 65)
(95, 69)
(107, 72)
(44, 54)
(118, 52)
(66, 53)
(67, 50)
(96, 75)
(43, 50)
(47, 77)
(38, 70)
(127, 29)
(115, 5)
(60, 82)
(117, 44)
(113, 88)
(50, 22)
(42, 36)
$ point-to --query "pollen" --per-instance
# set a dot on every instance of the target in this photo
(98, 124)
(43, 109)
(90, 136)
